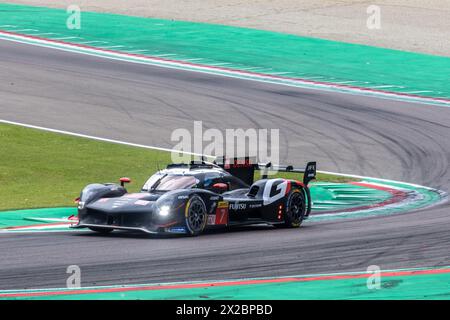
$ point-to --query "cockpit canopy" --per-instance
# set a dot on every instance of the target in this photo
(185, 178)
(168, 182)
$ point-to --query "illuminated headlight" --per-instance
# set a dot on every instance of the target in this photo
(164, 211)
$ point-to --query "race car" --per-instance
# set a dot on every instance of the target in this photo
(189, 198)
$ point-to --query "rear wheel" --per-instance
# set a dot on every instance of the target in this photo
(295, 209)
(196, 215)
(101, 230)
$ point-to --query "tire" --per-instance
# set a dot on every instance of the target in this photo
(101, 230)
(295, 209)
(196, 215)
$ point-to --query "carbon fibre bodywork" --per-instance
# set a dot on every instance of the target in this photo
(190, 210)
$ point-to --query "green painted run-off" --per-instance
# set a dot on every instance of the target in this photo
(29, 217)
(240, 48)
(425, 283)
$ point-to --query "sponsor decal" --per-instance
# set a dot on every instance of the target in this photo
(222, 204)
(177, 230)
(119, 203)
(183, 197)
(135, 195)
(211, 219)
(221, 215)
(238, 206)
(142, 202)
(274, 190)
(215, 198)
(253, 206)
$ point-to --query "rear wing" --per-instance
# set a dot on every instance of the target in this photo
(309, 172)
(244, 169)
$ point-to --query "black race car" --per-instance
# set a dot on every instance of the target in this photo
(188, 198)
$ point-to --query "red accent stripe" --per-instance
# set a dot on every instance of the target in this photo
(230, 69)
(224, 284)
(300, 183)
(288, 188)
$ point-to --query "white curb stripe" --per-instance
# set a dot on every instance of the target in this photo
(152, 60)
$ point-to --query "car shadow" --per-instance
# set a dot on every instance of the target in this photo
(209, 232)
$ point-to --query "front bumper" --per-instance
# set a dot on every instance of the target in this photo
(113, 227)
(131, 220)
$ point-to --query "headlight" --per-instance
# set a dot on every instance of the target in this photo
(164, 211)
(81, 205)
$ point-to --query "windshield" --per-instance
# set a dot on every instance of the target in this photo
(169, 182)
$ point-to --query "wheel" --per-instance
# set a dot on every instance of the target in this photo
(101, 230)
(295, 209)
(196, 216)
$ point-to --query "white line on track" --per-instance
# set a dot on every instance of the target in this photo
(64, 38)
(386, 86)
(21, 30)
(42, 34)
(420, 91)
(345, 82)
(249, 68)
(93, 41)
(165, 55)
(220, 64)
(80, 135)
(279, 73)
(193, 59)
(112, 47)
(136, 51)
(314, 78)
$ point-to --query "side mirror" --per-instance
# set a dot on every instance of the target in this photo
(124, 180)
(221, 187)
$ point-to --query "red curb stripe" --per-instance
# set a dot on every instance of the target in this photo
(229, 69)
(38, 225)
(397, 196)
(223, 284)
(373, 186)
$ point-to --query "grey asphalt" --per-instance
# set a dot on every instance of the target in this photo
(143, 104)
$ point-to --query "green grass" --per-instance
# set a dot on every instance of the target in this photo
(42, 169)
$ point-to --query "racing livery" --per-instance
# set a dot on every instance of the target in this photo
(189, 198)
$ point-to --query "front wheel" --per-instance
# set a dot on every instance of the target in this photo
(196, 215)
(295, 209)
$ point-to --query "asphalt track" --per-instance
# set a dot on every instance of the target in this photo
(143, 104)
